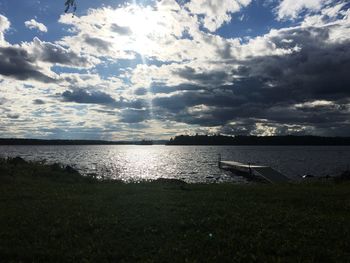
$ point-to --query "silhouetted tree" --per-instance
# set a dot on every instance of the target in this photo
(70, 4)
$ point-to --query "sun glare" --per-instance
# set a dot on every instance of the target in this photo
(147, 26)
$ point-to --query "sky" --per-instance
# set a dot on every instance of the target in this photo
(126, 70)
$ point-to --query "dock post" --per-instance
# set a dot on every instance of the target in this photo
(250, 170)
(219, 160)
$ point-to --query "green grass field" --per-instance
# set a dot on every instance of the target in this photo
(48, 214)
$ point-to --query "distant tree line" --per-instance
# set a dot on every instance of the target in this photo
(196, 140)
(14, 141)
(257, 140)
(58, 142)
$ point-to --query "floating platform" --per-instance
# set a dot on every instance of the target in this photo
(252, 171)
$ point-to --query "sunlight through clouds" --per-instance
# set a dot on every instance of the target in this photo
(159, 68)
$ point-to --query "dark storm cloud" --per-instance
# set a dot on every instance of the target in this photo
(135, 104)
(38, 102)
(107, 112)
(268, 87)
(179, 102)
(19, 64)
(140, 91)
(134, 115)
(219, 107)
(309, 74)
(2, 100)
(89, 96)
(121, 30)
(85, 96)
(100, 44)
(158, 88)
(13, 115)
(56, 54)
(207, 78)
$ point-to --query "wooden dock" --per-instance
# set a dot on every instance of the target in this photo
(264, 172)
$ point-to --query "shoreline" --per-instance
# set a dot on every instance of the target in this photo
(47, 167)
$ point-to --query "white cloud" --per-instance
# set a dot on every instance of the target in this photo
(120, 33)
(216, 13)
(333, 11)
(166, 32)
(55, 54)
(314, 104)
(33, 24)
(290, 9)
(335, 19)
(328, 14)
(4, 26)
(180, 54)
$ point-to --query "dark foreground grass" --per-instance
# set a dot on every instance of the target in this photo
(47, 216)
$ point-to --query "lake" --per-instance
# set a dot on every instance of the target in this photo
(189, 163)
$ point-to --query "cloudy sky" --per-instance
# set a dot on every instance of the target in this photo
(152, 69)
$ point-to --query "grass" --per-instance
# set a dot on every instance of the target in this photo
(49, 213)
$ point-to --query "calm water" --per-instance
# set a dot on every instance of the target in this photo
(189, 163)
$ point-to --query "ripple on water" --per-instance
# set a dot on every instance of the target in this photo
(188, 163)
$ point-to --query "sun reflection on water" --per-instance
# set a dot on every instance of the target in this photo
(188, 163)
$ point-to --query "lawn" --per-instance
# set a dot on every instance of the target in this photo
(50, 214)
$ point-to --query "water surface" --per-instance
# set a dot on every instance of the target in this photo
(189, 163)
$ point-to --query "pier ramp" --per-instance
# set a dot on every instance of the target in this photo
(266, 172)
